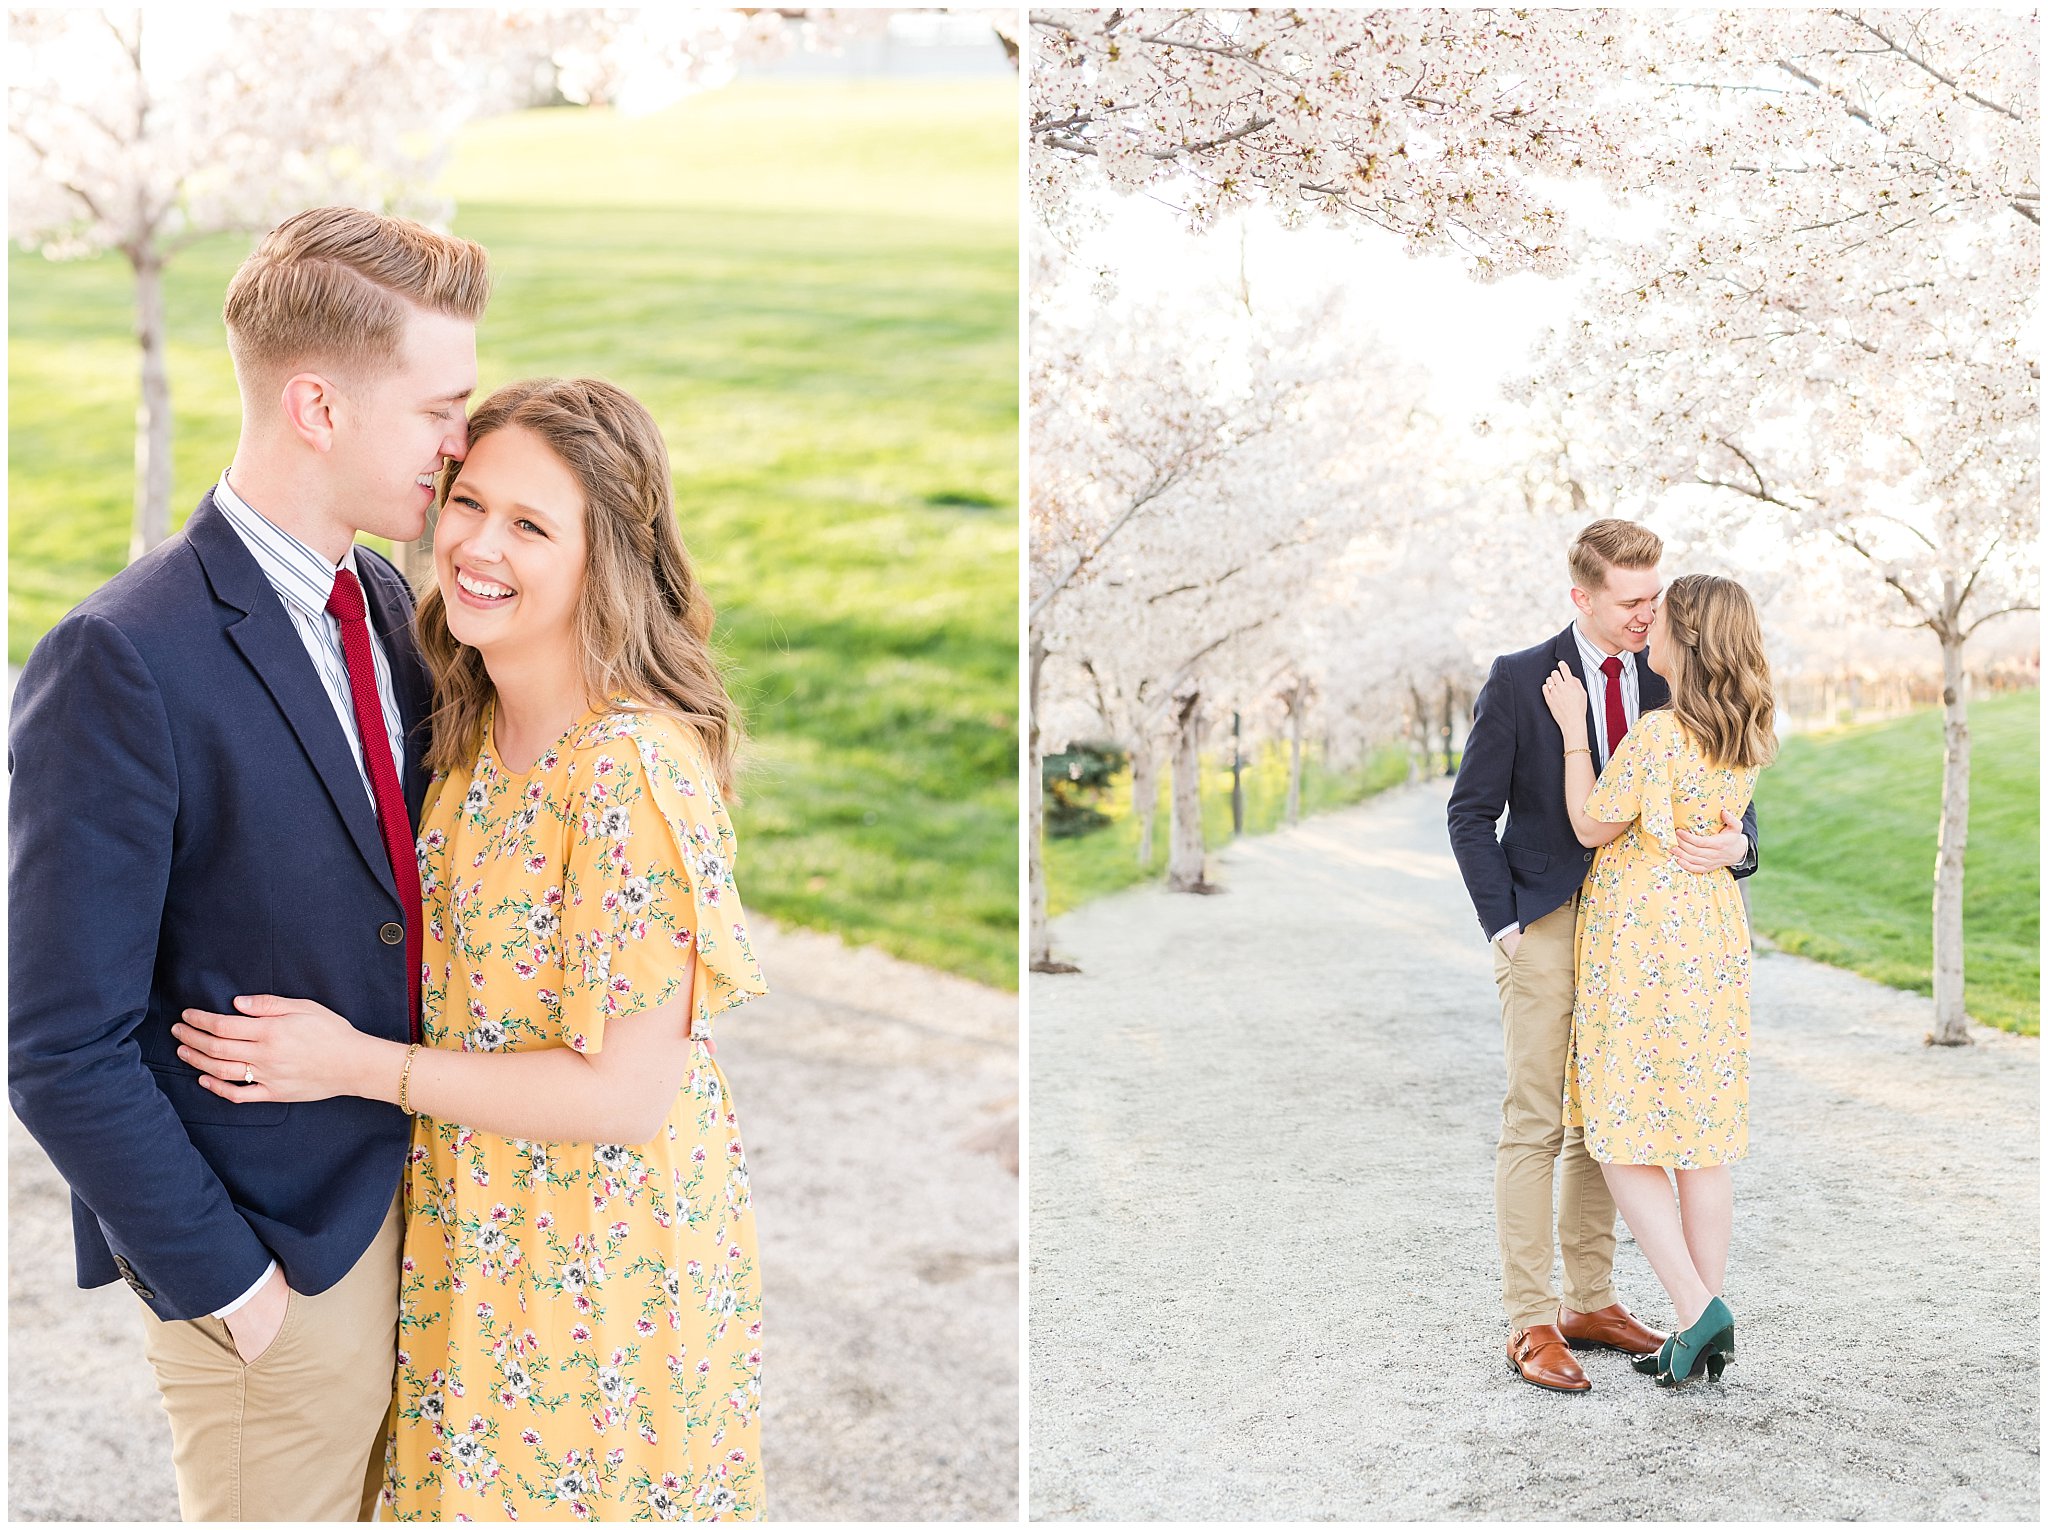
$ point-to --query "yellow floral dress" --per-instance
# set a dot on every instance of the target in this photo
(1659, 1065)
(580, 1323)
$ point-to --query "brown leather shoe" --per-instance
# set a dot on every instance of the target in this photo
(1538, 1355)
(1610, 1328)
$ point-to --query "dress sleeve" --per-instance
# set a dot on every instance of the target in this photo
(1637, 782)
(649, 885)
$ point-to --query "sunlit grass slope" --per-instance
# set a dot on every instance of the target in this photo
(1848, 821)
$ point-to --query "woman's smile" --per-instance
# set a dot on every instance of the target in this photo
(478, 591)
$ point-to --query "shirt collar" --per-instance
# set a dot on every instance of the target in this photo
(298, 574)
(1590, 652)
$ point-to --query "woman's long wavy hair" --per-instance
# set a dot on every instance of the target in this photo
(643, 621)
(1713, 655)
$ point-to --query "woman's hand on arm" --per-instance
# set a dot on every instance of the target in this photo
(1566, 698)
(299, 1050)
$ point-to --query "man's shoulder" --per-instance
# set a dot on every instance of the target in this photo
(1536, 659)
(156, 596)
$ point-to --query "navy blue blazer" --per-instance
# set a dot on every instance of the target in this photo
(1514, 758)
(187, 823)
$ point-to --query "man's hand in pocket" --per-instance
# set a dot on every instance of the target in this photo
(254, 1325)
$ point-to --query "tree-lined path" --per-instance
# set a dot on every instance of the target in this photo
(1264, 1277)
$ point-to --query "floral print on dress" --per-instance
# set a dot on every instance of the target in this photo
(1659, 1065)
(580, 1323)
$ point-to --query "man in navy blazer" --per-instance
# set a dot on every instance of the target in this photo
(193, 818)
(1524, 885)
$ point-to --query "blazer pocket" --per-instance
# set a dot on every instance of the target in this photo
(1522, 858)
(197, 1106)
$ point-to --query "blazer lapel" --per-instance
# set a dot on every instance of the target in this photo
(391, 618)
(267, 639)
(1651, 691)
(1567, 648)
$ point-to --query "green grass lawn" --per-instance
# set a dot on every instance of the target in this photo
(813, 286)
(1106, 860)
(1848, 820)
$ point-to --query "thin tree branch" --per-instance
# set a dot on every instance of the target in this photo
(2001, 611)
(1922, 64)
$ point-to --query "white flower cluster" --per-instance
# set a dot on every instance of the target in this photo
(1430, 122)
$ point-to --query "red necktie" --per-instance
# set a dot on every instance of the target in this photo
(1617, 719)
(346, 606)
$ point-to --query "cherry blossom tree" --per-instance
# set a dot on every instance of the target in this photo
(1198, 462)
(1128, 421)
(1428, 123)
(1830, 322)
(1466, 559)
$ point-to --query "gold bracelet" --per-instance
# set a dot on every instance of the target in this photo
(1586, 752)
(405, 1078)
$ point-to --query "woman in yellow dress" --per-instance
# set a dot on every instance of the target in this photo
(1658, 1074)
(580, 1312)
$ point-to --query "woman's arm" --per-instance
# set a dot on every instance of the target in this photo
(300, 1050)
(1579, 781)
(1566, 699)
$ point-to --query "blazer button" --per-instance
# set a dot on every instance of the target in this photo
(134, 1281)
(1589, 856)
(394, 934)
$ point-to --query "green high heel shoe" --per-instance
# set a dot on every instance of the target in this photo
(1695, 1349)
(1713, 1362)
(1719, 1356)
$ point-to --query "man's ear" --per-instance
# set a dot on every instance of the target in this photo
(310, 402)
(1582, 600)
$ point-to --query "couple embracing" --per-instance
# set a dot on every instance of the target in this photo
(1625, 751)
(364, 958)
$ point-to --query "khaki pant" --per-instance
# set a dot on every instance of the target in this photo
(1536, 1031)
(299, 1433)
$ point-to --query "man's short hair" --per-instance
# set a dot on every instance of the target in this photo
(1610, 544)
(332, 287)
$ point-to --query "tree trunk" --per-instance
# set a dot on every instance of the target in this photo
(1951, 1026)
(1144, 796)
(416, 559)
(153, 413)
(1184, 857)
(1297, 704)
(1449, 729)
(1041, 932)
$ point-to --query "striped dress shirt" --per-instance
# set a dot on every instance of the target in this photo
(1590, 657)
(303, 581)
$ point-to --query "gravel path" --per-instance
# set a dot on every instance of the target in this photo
(1264, 1280)
(876, 1098)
